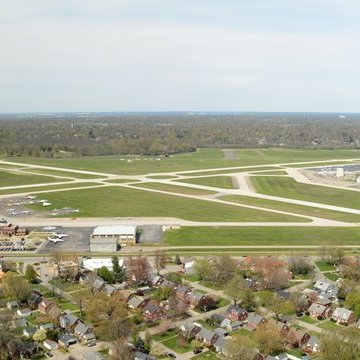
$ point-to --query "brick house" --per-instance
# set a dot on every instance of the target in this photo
(236, 313)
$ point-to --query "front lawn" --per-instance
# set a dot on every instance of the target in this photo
(330, 325)
(68, 306)
(208, 355)
(165, 335)
(308, 319)
(324, 266)
(331, 276)
(172, 343)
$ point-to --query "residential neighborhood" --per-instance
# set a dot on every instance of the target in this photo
(219, 307)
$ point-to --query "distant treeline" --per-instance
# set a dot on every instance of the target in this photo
(164, 134)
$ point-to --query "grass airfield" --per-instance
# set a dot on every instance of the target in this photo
(255, 198)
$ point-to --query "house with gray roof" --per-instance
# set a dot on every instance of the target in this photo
(254, 320)
(136, 302)
(343, 316)
(207, 337)
(66, 340)
(317, 311)
(29, 331)
(82, 329)
(189, 329)
(68, 321)
(220, 345)
(313, 345)
(12, 305)
(92, 355)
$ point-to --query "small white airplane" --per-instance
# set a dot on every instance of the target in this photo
(60, 236)
(55, 240)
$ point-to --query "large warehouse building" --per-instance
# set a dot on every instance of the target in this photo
(109, 238)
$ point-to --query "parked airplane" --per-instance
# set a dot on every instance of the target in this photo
(55, 240)
(60, 236)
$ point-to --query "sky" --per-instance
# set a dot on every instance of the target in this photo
(179, 55)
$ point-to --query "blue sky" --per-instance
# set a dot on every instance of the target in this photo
(170, 55)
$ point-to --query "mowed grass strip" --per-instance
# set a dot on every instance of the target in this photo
(223, 182)
(121, 181)
(228, 171)
(293, 208)
(288, 188)
(275, 172)
(9, 178)
(263, 236)
(59, 187)
(125, 202)
(174, 188)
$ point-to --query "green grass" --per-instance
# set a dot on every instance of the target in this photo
(16, 178)
(160, 177)
(331, 276)
(33, 190)
(229, 171)
(289, 188)
(172, 344)
(121, 181)
(137, 203)
(223, 182)
(203, 159)
(166, 335)
(267, 235)
(68, 306)
(61, 173)
(208, 355)
(174, 188)
(330, 325)
(275, 172)
(308, 319)
(324, 266)
(293, 208)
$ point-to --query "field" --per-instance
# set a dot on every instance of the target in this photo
(174, 188)
(293, 208)
(138, 203)
(61, 173)
(263, 236)
(288, 188)
(12, 178)
(203, 159)
(223, 182)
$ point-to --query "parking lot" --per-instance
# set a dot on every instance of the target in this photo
(13, 246)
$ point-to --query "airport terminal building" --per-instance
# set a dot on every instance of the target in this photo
(109, 238)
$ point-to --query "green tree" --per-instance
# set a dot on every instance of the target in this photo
(281, 307)
(15, 287)
(352, 301)
(177, 260)
(343, 344)
(269, 340)
(105, 274)
(31, 274)
(248, 301)
(242, 348)
(235, 288)
(40, 335)
(118, 271)
(147, 342)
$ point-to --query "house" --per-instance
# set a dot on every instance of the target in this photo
(301, 337)
(281, 327)
(156, 281)
(325, 288)
(50, 344)
(93, 281)
(168, 284)
(358, 324)
(141, 356)
(82, 329)
(221, 332)
(19, 323)
(29, 331)
(235, 326)
(343, 316)
(220, 345)
(195, 298)
(54, 312)
(68, 321)
(12, 305)
(254, 320)
(236, 313)
(109, 290)
(66, 340)
(312, 346)
(182, 292)
(283, 295)
(207, 337)
(152, 312)
(317, 311)
(48, 326)
(34, 299)
(23, 312)
(221, 319)
(28, 349)
(189, 330)
(323, 300)
(45, 305)
(136, 302)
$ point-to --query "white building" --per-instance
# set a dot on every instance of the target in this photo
(95, 264)
(107, 238)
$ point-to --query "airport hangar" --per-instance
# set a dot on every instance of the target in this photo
(109, 238)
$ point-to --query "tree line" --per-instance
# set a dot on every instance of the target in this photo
(163, 134)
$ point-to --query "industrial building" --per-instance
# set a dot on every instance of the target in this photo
(109, 238)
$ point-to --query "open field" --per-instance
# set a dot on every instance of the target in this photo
(274, 172)
(229, 171)
(59, 187)
(9, 178)
(174, 188)
(203, 159)
(121, 181)
(161, 177)
(293, 208)
(223, 182)
(287, 187)
(324, 163)
(263, 236)
(127, 202)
